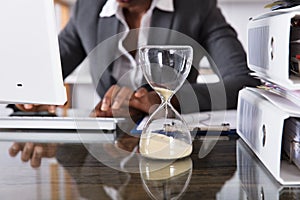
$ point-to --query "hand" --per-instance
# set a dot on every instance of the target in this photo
(33, 152)
(115, 98)
(36, 107)
(115, 103)
(144, 100)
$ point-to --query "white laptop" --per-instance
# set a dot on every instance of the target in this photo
(73, 128)
(30, 67)
(71, 119)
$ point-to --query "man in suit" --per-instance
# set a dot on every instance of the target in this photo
(95, 21)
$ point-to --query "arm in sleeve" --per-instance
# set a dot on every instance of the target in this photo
(71, 50)
(220, 41)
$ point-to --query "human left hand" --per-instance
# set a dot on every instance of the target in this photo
(144, 100)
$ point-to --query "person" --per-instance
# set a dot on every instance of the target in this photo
(95, 21)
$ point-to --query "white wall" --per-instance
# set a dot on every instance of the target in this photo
(238, 12)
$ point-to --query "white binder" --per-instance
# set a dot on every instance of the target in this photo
(260, 120)
(269, 47)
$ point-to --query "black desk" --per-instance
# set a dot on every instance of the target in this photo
(229, 171)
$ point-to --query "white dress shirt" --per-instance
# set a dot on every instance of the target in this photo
(126, 69)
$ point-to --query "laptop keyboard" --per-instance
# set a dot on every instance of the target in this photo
(54, 122)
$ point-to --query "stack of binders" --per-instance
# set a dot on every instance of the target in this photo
(268, 117)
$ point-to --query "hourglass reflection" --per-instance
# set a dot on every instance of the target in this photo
(166, 134)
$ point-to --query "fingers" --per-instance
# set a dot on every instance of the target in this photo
(108, 97)
(122, 98)
(117, 102)
(25, 107)
(36, 157)
(144, 100)
(97, 112)
(116, 97)
(31, 107)
(36, 107)
(28, 106)
(27, 151)
(140, 92)
(33, 152)
(15, 149)
(51, 109)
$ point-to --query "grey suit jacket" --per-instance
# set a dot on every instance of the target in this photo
(200, 20)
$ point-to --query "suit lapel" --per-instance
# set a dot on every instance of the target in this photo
(102, 65)
(162, 22)
(162, 19)
(107, 27)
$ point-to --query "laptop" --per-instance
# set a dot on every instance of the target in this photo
(64, 119)
(71, 126)
(30, 68)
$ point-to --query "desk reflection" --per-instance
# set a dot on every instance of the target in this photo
(256, 180)
(167, 180)
(77, 171)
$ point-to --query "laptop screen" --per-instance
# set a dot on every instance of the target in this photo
(30, 67)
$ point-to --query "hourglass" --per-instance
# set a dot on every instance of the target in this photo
(166, 134)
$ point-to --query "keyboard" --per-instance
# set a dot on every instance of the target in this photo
(86, 123)
(73, 122)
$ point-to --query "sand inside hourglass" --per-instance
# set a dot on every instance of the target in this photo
(160, 146)
(166, 93)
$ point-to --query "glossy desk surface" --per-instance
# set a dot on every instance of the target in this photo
(109, 170)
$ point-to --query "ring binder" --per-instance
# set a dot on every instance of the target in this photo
(272, 43)
(266, 134)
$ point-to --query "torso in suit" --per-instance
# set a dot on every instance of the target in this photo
(201, 20)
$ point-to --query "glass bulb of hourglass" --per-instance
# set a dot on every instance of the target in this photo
(166, 134)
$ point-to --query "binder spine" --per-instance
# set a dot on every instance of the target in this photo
(250, 117)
